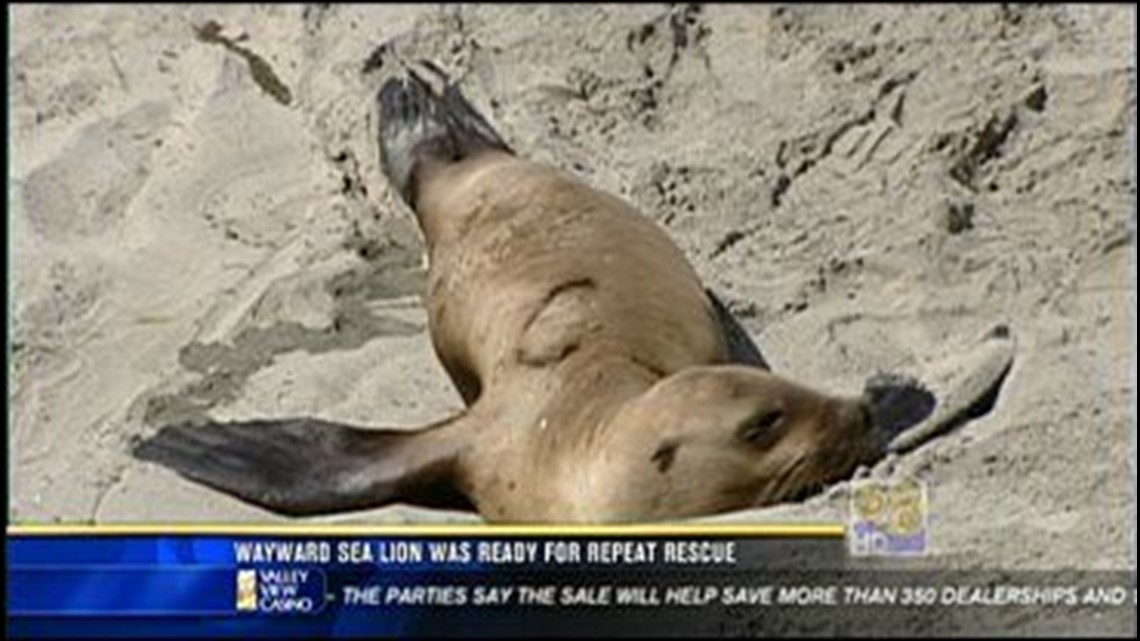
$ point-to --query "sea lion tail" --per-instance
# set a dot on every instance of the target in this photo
(303, 466)
(419, 122)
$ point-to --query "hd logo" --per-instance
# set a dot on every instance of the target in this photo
(888, 518)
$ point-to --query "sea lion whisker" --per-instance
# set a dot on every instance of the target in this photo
(786, 479)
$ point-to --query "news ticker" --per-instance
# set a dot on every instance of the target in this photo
(722, 580)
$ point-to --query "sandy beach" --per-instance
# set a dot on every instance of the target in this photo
(199, 227)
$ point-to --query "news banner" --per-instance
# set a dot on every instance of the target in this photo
(867, 576)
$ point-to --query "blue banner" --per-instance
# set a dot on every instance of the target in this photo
(524, 583)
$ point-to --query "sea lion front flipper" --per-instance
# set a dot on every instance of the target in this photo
(741, 349)
(305, 466)
(897, 403)
(967, 389)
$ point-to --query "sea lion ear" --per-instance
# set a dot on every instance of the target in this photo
(741, 349)
(304, 466)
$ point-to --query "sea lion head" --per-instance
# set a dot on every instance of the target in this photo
(716, 438)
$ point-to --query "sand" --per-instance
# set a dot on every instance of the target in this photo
(199, 227)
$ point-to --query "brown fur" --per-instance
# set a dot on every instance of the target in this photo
(603, 383)
(582, 339)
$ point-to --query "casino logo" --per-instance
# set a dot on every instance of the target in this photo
(280, 590)
(246, 600)
(888, 518)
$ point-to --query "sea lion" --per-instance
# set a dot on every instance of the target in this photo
(603, 382)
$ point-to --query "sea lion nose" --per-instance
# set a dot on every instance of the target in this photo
(865, 412)
(847, 438)
(854, 415)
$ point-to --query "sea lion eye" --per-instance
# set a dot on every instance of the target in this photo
(760, 427)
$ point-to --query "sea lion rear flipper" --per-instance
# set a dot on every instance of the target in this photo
(304, 466)
(741, 349)
(418, 122)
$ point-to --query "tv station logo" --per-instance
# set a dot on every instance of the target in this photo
(280, 591)
(888, 518)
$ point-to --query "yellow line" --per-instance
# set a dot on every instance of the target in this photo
(785, 530)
